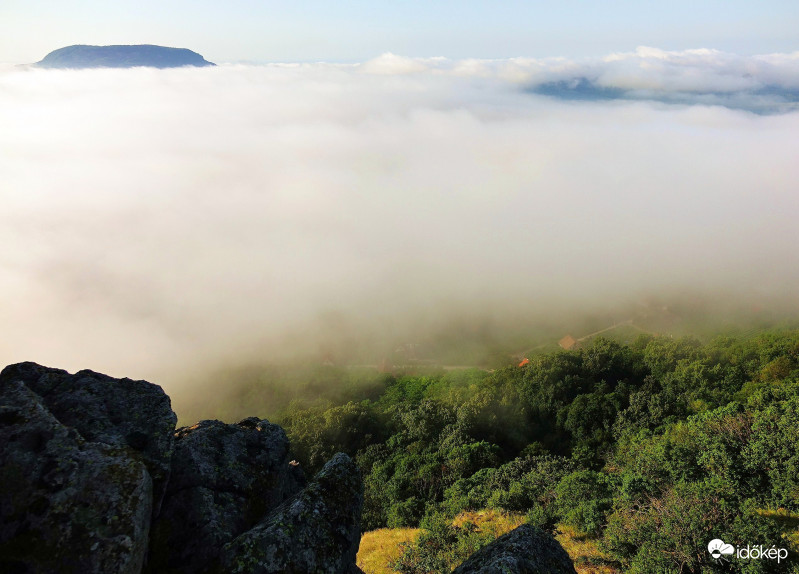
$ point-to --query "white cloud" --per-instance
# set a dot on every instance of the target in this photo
(391, 64)
(763, 84)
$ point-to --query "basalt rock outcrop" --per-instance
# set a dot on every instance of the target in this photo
(94, 478)
(525, 550)
(135, 416)
(316, 531)
(225, 479)
(66, 504)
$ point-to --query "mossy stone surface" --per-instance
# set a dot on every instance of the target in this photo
(123, 413)
(225, 479)
(66, 504)
(317, 531)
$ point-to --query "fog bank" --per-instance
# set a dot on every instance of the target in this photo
(159, 220)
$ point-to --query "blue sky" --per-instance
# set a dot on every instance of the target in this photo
(356, 30)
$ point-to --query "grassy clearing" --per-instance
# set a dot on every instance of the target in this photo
(494, 522)
(379, 547)
(584, 552)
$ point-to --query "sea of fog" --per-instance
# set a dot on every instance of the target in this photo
(155, 219)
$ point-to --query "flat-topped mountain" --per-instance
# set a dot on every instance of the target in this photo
(82, 56)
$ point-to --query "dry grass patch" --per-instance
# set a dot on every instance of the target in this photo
(379, 547)
(494, 522)
(584, 552)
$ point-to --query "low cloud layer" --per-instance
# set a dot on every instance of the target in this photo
(157, 219)
(761, 84)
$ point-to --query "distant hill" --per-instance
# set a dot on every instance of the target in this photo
(81, 56)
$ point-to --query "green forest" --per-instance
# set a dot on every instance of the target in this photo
(651, 449)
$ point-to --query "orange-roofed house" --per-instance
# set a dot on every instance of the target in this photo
(568, 342)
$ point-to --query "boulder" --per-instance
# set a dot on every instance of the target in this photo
(66, 504)
(525, 550)
(316, 531)
(225, 478)
(117, 412)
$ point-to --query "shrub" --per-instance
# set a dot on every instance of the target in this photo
(671, 532)
(583, 500)
(441, 547)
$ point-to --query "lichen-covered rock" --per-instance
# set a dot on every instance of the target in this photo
(117, 412)
(225, 478)
(85, 460)
(66, 504)
(317, 531)
(525, 550)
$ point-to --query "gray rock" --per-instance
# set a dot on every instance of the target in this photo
(225, 478)
(525, 550)
(66, 505)
(117, 412)
(317, 531)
